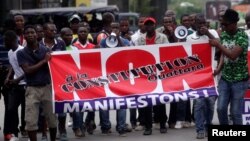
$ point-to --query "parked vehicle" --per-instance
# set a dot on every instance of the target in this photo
(60, 15)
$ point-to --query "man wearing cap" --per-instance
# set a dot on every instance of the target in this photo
(234, 76)
(74, 21)
(152, 37)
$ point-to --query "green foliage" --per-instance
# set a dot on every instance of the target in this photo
(141, 6)
(197, 8)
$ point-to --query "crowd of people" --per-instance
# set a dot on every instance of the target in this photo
(27, 83)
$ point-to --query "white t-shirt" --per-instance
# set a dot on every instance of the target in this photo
(135, 36)
(195, 37)
(15, 66)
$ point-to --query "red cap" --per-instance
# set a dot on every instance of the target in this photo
(149, 19)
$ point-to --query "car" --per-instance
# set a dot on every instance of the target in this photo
(60, 15)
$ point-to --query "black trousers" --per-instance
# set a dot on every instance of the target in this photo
(16, 98)
(133, 116)
(147, 115)
(5, 92)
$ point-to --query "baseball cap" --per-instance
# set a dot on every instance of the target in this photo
(75, 16)
(149, 19)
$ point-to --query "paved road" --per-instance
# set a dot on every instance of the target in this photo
(185, 134)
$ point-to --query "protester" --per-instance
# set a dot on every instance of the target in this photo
(18, 84)
(50, 40)
(33, 60)
(74, 21)
(121, 126)
(204, 107)
(183, 108)
(168, 28)
(20, 21)
(124, 28)
(152, 37)
(108, 18)
(83, 43)
(234, 80)
(67, 36)
(140, 31)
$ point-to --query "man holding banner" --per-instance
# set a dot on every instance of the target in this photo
(234, 80)
(203, 107)
(33, 60)
(152, 37)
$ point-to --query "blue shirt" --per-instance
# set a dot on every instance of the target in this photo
(58, 46)
(28, 56)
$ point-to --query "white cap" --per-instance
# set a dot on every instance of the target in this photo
(75, 16)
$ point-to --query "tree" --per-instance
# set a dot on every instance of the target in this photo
(141, 6)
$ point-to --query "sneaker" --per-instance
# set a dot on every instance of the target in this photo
(14, 139)
(44, 138)
(139, 128)
(78, 132)
(200, 135)
(90, 127)
(24, 134)
(128, 128)
(63, 137)
(106, 132)
(192, 124)
(133, 126)
(70, 122)
(163, 130)
(7, 137)
(172, 125)
(57, 136)
(83, 131)
(167, 126)
(147, 132)
(178, 125)
(122, 133)
(186, 124)
(157, 125)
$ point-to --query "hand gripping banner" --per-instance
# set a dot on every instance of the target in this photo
(131, 77)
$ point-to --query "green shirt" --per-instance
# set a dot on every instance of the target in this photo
(69, 47)
(235, 70)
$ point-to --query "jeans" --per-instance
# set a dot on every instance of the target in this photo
(120, 118)
(203, 113)
(77, 120)
(231, 93)
(104, 120)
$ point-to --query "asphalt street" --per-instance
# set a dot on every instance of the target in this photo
(184, 134)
